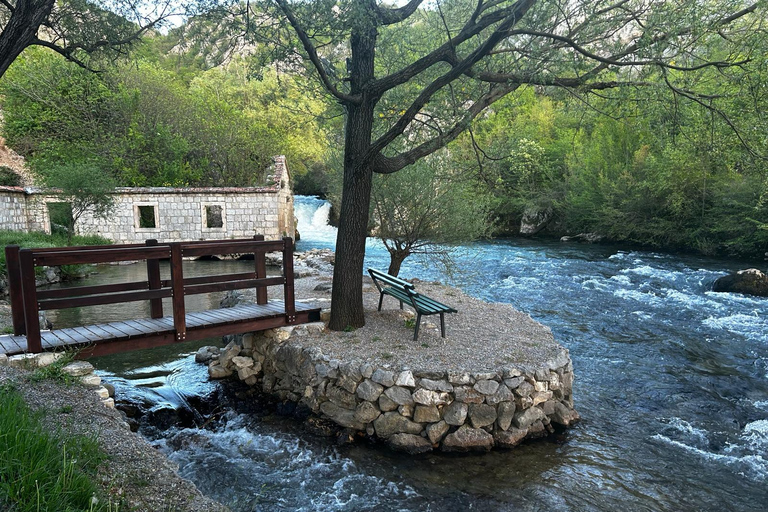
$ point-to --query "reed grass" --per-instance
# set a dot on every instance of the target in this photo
(43, 470)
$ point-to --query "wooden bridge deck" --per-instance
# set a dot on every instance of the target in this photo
(142, 333)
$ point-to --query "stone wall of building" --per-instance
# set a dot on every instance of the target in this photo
(413, 411)
(168, 214)
(13, 209)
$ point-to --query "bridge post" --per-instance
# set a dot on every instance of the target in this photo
(177, 285)
(153, 279)
(14, 288)
(288, 292)
(29, 292)
(261, 271)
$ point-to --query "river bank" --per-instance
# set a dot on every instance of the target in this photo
(134, 475)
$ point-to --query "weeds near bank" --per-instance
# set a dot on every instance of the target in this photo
(54, 371)
(44, 470)
(410, 323)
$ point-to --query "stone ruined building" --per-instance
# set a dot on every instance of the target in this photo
(168, 214)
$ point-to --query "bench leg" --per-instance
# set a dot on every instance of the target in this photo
(442, 324)
(416, 330)
(381, 299)
(401, 304)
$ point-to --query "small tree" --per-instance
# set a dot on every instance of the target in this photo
(85, 187)
(419, 211)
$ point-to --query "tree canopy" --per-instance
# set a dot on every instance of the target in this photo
(407, 93)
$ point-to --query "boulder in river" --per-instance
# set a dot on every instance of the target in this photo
(587, 238)
(750, 282)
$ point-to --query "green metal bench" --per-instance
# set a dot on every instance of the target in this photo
(406, 293)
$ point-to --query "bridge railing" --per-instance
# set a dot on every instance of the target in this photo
(27, 301)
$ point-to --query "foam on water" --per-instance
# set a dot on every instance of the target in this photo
(752, 326)
(278, 471)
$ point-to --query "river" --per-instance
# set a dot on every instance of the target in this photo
(671, 383)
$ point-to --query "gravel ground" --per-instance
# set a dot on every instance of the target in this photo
(134, 471)
(481, 337)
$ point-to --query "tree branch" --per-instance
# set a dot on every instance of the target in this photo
(313, 56)
(389, 16)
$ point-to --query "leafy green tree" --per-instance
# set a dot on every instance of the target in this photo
(79, 29)
(412, 79)
(422, 209)
(86, 188)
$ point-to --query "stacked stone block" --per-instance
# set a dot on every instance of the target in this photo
(412, 410)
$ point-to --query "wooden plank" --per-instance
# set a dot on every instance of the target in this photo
(260, 266)
(126, 345)
(210, 248)
(154, 282)
(79, 336)
(232, 285)
(15, 293)
(115, 332)
(60, 334)
(219, 278)
(93, 300)
(177, 283)
(98, 331)
(150, 325)
(288, 290)
(78, 291)
(126, 329)
(136, 325)
(29, 292)
(85, 333)
(101, 254)
(201, 318)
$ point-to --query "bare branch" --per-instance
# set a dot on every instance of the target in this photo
(389, 16)
(313, 56)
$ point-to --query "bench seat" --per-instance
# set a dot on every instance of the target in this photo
(405, 293)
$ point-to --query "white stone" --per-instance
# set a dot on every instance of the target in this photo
(3, 360)
(109, 402)
(78, 368)
(47, 358)
(426, 397)
(102, 392)
(242, 362)
(22, 361)
(405, 379)
(91, 380)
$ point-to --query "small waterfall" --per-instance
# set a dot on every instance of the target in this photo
(312, 222)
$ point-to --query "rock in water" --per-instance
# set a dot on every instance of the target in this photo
(749, 282)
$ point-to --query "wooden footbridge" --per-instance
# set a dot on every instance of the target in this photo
(27, 301)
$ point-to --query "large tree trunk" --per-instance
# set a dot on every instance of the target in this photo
(21, 29)
(347, 294)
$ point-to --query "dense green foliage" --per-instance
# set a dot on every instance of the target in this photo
(43, 469)
(648, 173)
(146, 126)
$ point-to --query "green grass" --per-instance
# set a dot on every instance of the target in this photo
(36, 239)
(43, 470)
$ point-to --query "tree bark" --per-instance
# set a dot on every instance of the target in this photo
(21, 29)
(396, 259)
(347, 293)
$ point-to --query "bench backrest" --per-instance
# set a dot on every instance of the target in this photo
(396, 282)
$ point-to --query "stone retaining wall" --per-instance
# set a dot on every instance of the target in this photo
(413, 410)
